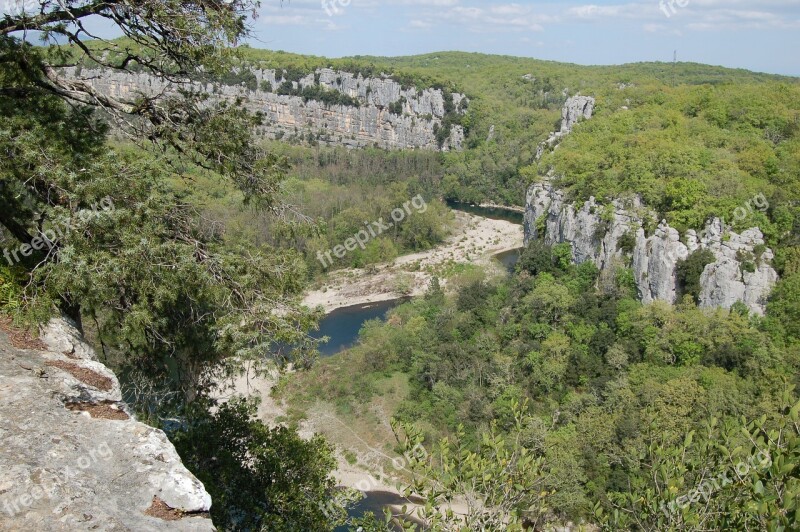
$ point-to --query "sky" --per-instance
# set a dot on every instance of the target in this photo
(758, 35)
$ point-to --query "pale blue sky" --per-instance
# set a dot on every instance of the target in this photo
(757, 35)
(760, 35)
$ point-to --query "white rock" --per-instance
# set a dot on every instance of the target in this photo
(654, 258)
(367, 125)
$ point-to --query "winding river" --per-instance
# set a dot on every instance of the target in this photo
(343, 325)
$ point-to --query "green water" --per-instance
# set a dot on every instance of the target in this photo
(493, 213)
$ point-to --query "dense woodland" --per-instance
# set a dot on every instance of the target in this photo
(328, 196)
(609, 380)
(549, 395)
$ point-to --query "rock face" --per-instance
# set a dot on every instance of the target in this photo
(575, 108)
(615, 234)
(73, 457)
(372, 123)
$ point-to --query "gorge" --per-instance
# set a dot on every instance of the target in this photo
(596, 310)
(359, 111)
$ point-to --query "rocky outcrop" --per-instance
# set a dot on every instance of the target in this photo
(74, 458)
(615, 233)
(575, 109)
(387, 115)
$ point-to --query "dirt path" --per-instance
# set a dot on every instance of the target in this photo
(475, 241)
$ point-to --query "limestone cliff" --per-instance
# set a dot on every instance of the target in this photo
(73, 456)
(576, 108)
(615, 234)
(376, 111)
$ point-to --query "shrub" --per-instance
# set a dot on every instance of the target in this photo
(627, 243)
(690, 270)
(10, 289)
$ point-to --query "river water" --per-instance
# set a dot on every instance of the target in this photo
(493, 213)
(342, 325)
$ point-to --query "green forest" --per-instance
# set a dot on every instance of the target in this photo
(544, 396)
(614, 388)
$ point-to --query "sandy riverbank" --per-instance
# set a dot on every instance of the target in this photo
(475, 240)
(510, 208)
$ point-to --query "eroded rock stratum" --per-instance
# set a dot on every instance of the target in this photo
(741, 269)
(380, 112)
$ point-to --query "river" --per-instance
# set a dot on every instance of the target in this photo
(493, 213)
(343, 325)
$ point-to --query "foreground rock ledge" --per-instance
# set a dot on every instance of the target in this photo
(91, 466)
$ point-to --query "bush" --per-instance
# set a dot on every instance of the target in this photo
(260, 478)
(627, 243)
(784, 304)
(397, 107)
(328, 97)
(10, 289)
(690, 270)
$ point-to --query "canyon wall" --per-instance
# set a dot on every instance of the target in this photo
(576, 108)
(615, 234)
(365, 119)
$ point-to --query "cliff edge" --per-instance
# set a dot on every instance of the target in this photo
(73, 456)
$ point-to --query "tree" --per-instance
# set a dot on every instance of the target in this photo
(728, 476)
(689, 271)
(259, 478)
(499, 485)
(147, 268)
(784, 305)
(102, 232)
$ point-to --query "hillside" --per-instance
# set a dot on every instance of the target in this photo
(513, 104)
(184, 200)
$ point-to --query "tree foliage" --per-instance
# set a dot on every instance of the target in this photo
(148, 269)
(259, 478)
(106, 233)
(724, 476)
